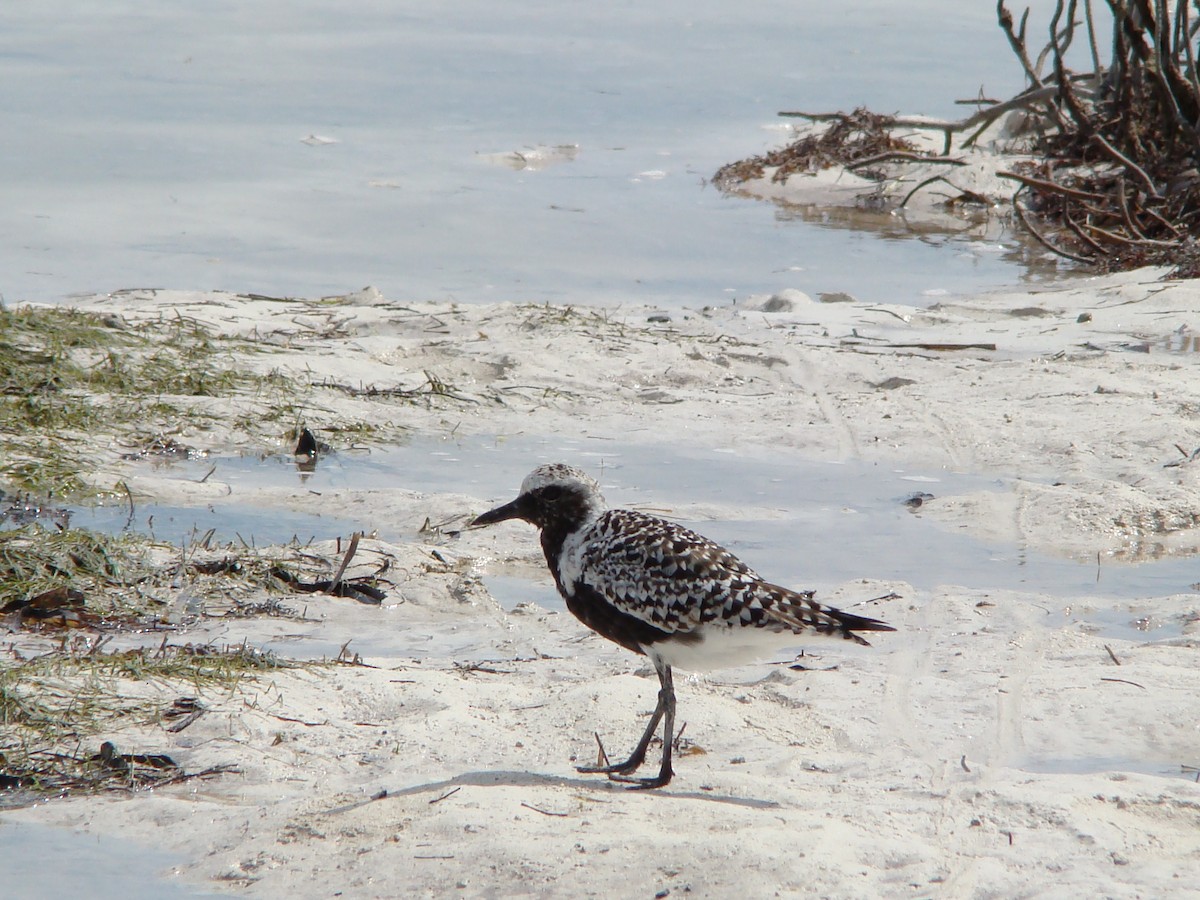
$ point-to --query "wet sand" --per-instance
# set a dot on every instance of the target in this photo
(992, 746)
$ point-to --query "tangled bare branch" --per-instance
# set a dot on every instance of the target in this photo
(1117, 183)
(1115, 178)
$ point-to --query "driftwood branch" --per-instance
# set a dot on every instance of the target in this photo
(905, 155)
(1017, 41)
(1050, 186)
(1037, 235)
(1127, 163)
(1029, 100)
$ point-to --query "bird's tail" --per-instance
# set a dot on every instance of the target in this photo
(800, 612)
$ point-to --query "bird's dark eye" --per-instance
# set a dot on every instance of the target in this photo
(552, 493)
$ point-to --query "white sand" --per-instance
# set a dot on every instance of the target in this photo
(989, 748)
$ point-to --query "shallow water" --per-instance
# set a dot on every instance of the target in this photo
(45, 863)
(1088, 765)
(285, 150)
(812, 524)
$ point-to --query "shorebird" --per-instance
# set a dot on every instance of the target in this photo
(661, 590)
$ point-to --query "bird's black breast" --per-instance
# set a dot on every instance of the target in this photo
(590, 608)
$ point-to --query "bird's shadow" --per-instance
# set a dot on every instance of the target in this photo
(503, 778)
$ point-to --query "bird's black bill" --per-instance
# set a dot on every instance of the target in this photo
(499, 514)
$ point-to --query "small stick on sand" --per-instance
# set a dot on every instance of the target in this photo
(449, 793)
(544, 812)
(1123, 681)
(337, 579)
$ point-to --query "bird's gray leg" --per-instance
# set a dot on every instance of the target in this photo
(665, 709)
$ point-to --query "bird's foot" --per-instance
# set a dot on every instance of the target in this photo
(662, 779)
(612, 770)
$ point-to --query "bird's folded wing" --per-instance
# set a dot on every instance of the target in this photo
(663, 573)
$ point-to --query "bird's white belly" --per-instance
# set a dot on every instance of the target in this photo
(723, 647)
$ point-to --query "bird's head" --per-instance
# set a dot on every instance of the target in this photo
(554, 494)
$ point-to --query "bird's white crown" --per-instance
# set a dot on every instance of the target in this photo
(564, 476)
